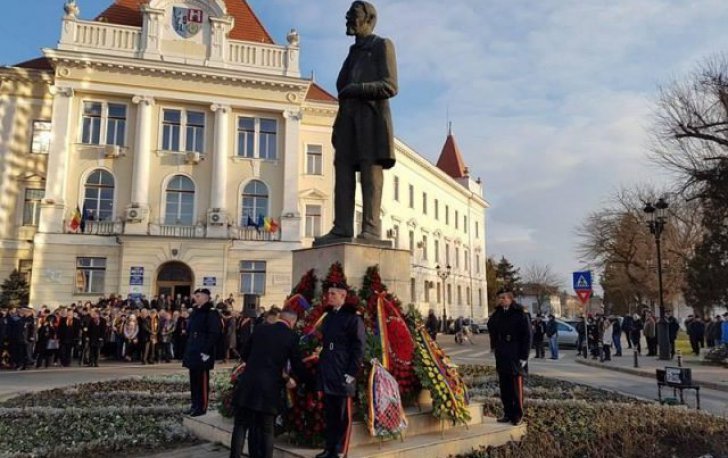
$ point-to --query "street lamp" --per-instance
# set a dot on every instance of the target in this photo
(656, 220)
(443, 274)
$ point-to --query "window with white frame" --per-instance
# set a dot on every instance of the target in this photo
(257, 138)
(437, 209)
(460, 295)
(411, 196)
(439, 293)
(457, 215)
(412, 242)
(103, 120)
(31, 206)
(457, 257)
(180, 201)
(467, 295)
(255, 202)
(424, 247)
(466, 260)
(175, 122)
(447, 214)
(437, 251)
(426, 289)
(465, 224)
(98, 201)
(396, 188)
(449, 294)
(447, 254)
(480, 297)
(396, 236)
(314, 159)
(413, 291)
(252, 277)
(477, 263)
(313, 220)
(477, 230)
(90, 275)
(424, 203)
(41, 137)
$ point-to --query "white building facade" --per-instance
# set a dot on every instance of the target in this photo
(174, 145)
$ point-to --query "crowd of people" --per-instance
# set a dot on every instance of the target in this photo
(113, 329)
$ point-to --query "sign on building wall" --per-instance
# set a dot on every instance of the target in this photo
(136, 276)
(187, 22)
(209, 281)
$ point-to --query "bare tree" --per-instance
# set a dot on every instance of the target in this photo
(541, 282)
(617, 240)
(691, 130)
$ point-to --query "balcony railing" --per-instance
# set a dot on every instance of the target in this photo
(113, 39)
(170, 230)
(250, 233)
(102, 228)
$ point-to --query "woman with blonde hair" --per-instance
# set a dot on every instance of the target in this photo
(131, 331)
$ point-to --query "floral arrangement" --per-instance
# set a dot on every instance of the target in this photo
(440, 376)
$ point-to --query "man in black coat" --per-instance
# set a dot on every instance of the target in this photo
(511, 332)
(95, 337)
(339, 363)
(539, 330)
(363, 135)
(203, 329)
(16, 341)
(258, 389)
(627, 324)
(68, 329)
(696, 331)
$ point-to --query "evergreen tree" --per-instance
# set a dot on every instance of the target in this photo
(508, 276)
(491, 278)
(15, 291)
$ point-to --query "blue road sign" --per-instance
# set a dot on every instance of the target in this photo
(209, 281)
(582, 281)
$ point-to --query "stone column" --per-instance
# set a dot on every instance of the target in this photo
(141, 165)
(291, 217)
(217, 225)
(53, 208)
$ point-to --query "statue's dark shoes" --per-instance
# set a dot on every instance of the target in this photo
(331, 238)
(366, 236)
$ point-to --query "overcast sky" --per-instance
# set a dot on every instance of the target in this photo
(550, 100)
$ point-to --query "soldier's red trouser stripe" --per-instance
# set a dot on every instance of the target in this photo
(519, 391)
(347, 437)
(205, 388)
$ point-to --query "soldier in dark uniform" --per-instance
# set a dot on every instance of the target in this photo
(511, 333)
(95, 337)
(203, 330)
(339, 363)
(363, 136)
(258, 389)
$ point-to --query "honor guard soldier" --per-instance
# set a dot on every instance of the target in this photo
(510, 333)
(339, 363)
(204, 327)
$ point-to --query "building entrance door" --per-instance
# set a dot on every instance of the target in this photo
(175, 279)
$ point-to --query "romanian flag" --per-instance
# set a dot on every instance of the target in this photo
(76, 219)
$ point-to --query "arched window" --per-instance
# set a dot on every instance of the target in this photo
(255, 201)
(180, 201)
(98, 200)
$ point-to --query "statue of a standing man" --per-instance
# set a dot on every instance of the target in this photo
(363, 135)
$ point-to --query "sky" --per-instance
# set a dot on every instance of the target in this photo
(551, 101)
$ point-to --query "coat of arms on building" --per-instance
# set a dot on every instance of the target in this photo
(186, 21)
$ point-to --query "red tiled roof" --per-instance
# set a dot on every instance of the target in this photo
(39, 63)
(247, 26)
(451, 161)
(318, 94)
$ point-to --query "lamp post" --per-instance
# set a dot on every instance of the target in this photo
(443, 274)
(656, 220)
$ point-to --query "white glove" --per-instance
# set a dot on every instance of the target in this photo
(523, 362)
(204, 357)
(348, 379)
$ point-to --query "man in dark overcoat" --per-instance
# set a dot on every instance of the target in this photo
(339, 363)
(363, 136)
(203, 329)
(258, 389)
(511, 333)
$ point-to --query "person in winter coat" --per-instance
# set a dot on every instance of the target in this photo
(723, 339)
(432, 324)
(258, 389)
(636, 333)
(607, 338)
(68, 327)
(204, 327)
(511, 331)
(710, 331)
(552, 333)
(95, 337)
(650, 334)
(697, 335)
(617, 336)
(344, 340)
(627, 322)
(538, 329)
(673, 328)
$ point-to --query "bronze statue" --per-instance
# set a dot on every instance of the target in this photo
(363, 135)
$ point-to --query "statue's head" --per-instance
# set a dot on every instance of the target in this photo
(361, 19)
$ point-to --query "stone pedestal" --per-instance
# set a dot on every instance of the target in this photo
(394, 265)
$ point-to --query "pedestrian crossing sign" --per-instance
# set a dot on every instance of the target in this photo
(582, 281)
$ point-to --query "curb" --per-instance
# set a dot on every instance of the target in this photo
(632, 371)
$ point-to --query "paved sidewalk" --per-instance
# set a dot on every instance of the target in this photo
(713, 377)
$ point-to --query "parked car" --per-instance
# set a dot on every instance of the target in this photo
(482, 326)
(568, 336)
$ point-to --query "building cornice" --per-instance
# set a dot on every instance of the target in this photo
(74, 59)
